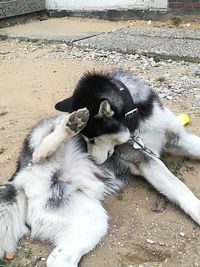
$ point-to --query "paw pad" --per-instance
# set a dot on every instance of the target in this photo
(78, 119)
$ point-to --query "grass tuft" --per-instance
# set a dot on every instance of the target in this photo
(176, 21)
(197, 74)
(3, 113)
(2, 150)
(161, 79)
(28, 253)
(156, 58)
(3, 37)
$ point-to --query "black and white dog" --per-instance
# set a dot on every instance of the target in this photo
(123, 110)
(57, 191)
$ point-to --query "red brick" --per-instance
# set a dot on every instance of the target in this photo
(184, 5)
(188, 1)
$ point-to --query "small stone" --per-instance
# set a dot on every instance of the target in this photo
(182, 234)
(136, 56)
(162, 95)
(39, 42)
(161, 244)
(63, 46)
(150, 241)
(4, 52)
(183, 78)
(8, 256)
(169, 97)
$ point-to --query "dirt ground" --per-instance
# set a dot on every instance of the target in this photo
(30, 84)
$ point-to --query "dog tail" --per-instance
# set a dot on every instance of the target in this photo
(12, 218)
(112, 183)
(116, 175)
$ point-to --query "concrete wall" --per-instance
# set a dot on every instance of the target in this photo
(105, 4)
(18, 7)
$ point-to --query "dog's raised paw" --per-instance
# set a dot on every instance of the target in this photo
(77, 120)
(38, 157)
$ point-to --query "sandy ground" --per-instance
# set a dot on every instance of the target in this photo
(30, 85)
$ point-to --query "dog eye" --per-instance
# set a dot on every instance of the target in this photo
(92, 141)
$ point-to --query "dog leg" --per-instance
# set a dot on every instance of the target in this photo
(68, 127)
(87, 225)
(70, 252)
(12, 218)
(184, 143)
(180, 141)
(157, 174)
(66, 255)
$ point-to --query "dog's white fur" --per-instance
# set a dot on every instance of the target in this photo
(104, 145)
(78, 224)
(157, 133)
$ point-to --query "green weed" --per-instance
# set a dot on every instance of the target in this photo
(28, 253)
(3, 113)
(160, 79)
(2, 150)
(156, 58)
(3, 37)
(176, 21)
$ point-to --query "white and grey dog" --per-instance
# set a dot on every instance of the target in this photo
(122, 106)
(56, 190)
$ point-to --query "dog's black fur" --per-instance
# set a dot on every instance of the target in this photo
(157, 126)
(91, 90)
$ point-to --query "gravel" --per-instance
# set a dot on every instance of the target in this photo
(171, 79)
(175, 43)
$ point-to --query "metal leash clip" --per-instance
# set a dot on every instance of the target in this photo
(138, 144)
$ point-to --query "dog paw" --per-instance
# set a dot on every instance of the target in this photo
(40, 156)
(194, 211)
(77, 120)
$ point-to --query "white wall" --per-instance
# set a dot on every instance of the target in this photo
(105, 4)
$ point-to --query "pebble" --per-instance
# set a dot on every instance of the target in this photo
(161, 244)
(4, 52)
(180, 76)
(8, 256)
(182, 234)
(150, 241)
(169, 97)
(183, 78)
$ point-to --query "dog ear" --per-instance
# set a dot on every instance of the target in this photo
(105, 109)
(65, 105)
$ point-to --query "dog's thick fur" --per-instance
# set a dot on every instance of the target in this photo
(56, 190)
(158, 128)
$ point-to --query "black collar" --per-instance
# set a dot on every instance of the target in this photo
(131, 111)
